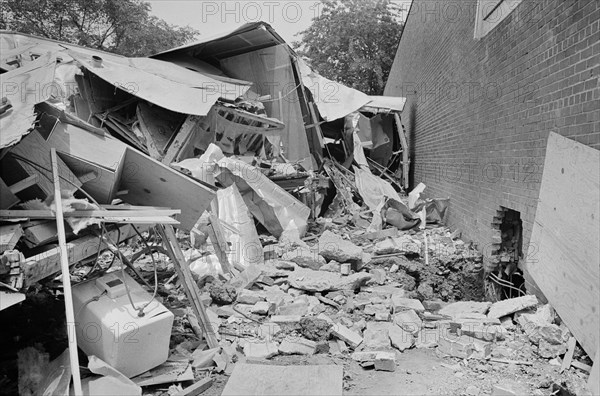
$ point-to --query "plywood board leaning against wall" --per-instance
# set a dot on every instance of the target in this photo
(564, 251)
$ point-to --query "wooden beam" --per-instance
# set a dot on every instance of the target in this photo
(215, 233)
(23, 184)
(66, 278)
(566, 363)
(47, 263)
(191, 288)
(9, 236)
(7, 197)
(181, 139)
(50, 214)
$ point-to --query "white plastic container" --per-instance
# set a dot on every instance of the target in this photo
(112, 330)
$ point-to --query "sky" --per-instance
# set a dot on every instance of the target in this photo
(287, 17)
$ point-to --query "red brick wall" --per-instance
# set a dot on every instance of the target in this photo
(478, 113)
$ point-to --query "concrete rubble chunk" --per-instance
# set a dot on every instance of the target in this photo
(261, 308)
(484, 332)
(320, 281)
(461, 308)
(334, 247)
(345, 334)
(251, 297)
(538, 326)
(297, 346)
(401, 339)
(364, 356)
(409, 321)
(299, 308)
(372, 309)
(385, 361)
(400, 303)
(402, 244)
(512, 305)
(286, 318)
(332, 266)
(460, 347)
(304, 257)
(376, 335)
(260, 350)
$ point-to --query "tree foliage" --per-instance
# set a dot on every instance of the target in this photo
(353, 42)
(121, 26)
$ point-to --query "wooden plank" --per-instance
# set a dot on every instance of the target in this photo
(563, 251)
(191, 288)
(34, 148)
(197, 388)
(50, 214)
(23, 184)
(259, 379)
(47, 263)
(7, 197)
(66, 277)
(215, 233)
(158, 126)
(9, 236)
(151, 183)
(566, 363)
(181, 139)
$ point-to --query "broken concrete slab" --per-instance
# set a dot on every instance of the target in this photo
(385, 361)
(304, 257)
(402, 244)
(266, 380)
(334, 247)
(482, 331)
(260, 350)
(203, 359)
(372, 309)
(376, 335)
(295, 309)
(286, 318)
(345, 334)
(364, 356)
(460, 347)
(319, 281)
(250, 297)
(400, 303)
(400, 339)
(297, 346)
(506, 307)
(409, 321)
(332, 266)
(461, 308)
(261, 308)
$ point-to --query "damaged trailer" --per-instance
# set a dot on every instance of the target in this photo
(191, 137)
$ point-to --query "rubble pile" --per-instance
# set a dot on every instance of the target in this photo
(284, 250)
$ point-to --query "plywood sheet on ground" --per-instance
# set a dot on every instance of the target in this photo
(564, 251)
(259, 379)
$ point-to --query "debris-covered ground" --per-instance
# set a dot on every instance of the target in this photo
(394, 323)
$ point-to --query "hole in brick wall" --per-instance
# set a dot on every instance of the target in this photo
(505, 279)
